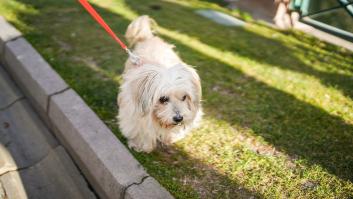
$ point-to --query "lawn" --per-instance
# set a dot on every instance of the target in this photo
(278, 104)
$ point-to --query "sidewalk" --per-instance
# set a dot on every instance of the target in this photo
(32, 162)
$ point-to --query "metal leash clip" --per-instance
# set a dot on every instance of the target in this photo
(134, 58)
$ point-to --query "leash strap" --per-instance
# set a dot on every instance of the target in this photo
(134, 58)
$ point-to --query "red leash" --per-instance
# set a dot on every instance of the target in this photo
(101, 22)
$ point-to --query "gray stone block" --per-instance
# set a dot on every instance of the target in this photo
(23, 137)
(105, 161)
(148, 189)
(221, 18)
(32, 73)
(8, 91)
(7, 33)
(55, 177)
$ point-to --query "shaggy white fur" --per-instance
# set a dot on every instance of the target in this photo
(159, 99)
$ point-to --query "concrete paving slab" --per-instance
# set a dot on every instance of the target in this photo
(221, 18)
(148, 189)
(7, 33)
(33, 74)
(55, 177)
(25, 138)
(8, 91)
(105, 161)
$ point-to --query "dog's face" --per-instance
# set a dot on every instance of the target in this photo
(174, 107)
(170, 96)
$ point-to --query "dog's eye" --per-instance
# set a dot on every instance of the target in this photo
(184, 98)
(163, 99)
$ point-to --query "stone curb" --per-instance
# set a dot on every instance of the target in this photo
(8, 33)
(106, 163)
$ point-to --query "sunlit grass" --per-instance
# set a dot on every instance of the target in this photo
(278, 105)
(304, 87)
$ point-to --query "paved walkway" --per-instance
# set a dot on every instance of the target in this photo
(32, 162)
(260, 10)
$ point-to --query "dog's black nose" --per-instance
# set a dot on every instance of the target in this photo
(178, 118)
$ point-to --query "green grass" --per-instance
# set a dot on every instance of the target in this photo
(278, 105)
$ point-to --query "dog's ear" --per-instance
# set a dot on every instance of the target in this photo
(190, 77)
(196, 86)
(144, 88)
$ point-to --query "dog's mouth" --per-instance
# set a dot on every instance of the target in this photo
(171, 125)
(177, 123)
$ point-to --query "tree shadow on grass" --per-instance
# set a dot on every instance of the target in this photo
(293, 126)
(273, 51)
(90, 62)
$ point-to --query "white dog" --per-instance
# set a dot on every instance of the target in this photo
(160, 98)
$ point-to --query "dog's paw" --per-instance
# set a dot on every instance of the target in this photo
(140, 147)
